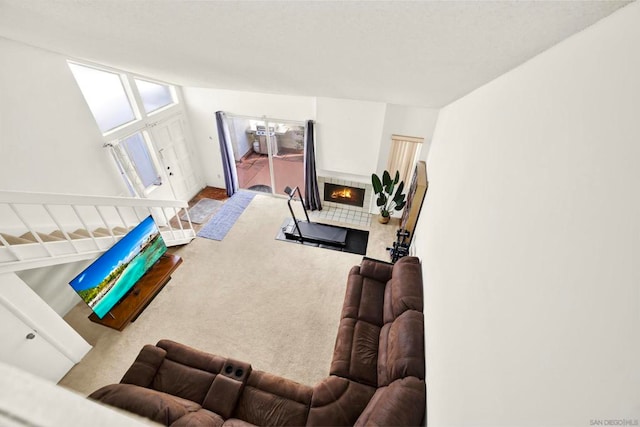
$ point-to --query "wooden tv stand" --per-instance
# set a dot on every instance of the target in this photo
(139, 297)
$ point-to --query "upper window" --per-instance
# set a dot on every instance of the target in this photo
(105, 95)
(154, 95)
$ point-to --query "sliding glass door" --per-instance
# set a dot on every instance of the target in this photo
(269, 154)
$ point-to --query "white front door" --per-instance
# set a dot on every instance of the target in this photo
(175, 157)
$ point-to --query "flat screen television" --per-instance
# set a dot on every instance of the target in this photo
(108, 279)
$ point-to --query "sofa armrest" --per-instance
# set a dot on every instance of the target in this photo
(160, 407)
(145, 367)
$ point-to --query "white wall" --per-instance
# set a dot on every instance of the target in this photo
(202, 104)
(52, 284)
(408, 121)
(348, 136)
(530, 240)
(49, 140)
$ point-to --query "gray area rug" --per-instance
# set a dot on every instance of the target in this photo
(226, 217)
(202, 211)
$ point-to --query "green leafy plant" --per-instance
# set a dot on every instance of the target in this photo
(387, 200)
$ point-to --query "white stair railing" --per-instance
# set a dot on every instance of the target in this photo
(41, 229)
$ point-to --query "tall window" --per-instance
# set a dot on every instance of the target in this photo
(122, 106)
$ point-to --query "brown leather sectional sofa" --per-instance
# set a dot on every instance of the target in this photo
(377, 375)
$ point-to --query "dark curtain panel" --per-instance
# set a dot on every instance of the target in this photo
(228, 162)
(311, 191)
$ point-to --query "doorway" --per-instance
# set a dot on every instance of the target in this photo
(269, 153)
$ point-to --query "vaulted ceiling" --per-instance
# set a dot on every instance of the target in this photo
(421, 53)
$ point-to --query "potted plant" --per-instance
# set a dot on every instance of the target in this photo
(387, 200)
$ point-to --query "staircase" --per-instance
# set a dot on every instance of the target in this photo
(43, 229)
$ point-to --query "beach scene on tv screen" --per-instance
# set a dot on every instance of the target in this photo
(114, 273)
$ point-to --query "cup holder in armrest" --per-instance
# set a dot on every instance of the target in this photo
(226, 388)
(236, 370)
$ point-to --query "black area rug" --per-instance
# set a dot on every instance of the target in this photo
(356, 242)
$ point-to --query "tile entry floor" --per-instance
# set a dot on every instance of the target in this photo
(344, 215)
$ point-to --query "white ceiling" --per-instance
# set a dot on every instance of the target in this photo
(422, 53)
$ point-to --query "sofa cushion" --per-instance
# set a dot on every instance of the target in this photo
(338, 402)
(355, 355)
(271, 400)
(401, 349)
(199, 418)
(182, 380)
(363, 298)
(155, 405)
(404, 290)
(401, 403)
(234, 422)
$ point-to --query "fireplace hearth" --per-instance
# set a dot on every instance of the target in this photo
(344, 194)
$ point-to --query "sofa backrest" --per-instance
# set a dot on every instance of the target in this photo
(401, 340)
(401, 348)
(403, 291)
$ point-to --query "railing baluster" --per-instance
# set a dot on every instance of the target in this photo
(135, 211)
(164, 214)
(86, 227)
(106, 224)
(176, 215)
(31, 230)
(124, 222)
(186, 210)
(62, 230)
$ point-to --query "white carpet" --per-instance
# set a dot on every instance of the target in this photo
(273, 304)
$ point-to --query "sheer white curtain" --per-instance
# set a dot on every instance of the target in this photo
(403, 156)
(126, 167)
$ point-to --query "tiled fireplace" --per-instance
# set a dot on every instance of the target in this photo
(344, 201)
